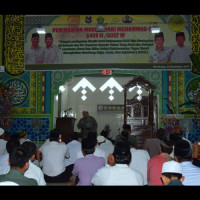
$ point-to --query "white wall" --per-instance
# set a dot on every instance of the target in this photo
(71, 99)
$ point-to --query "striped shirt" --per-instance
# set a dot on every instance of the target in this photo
(191, 173)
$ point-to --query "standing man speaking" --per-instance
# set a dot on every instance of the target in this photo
(87, 124)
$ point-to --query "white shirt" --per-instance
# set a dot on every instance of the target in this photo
(139, 162)
(42, 146)
(33, 55)
(34, 172)
(4, 163)
(53, 156)
(22, 140)
(107, 147)
(181, 54)
(40, 149)
(191, 173)
(3, 147)
(119, 174)
(98, 152)
(53, 54)
(74, 147)
(8, 183)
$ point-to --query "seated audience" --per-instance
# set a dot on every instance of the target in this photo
(33, 171)
(118, 171)
(172, 173)
(53, 156)
(86, 167)
(19, 163)
(154, 167)
(152, 144)
(3, 142)
(109, 133)
(98, 151)
(139, 159)
(183, 155)
(74, 147)
(10, 145)
(105, 144)
(15, 136)
(39, 152)
(23, 136)
(126, 128)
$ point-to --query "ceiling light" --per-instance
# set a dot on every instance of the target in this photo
(111, 97)
(131, 89)
(139, 91)
(111, 91)
(100, 28)
(139, 98)
(100, 24)
(83, 97)
(155, 29)
(62, 88)
(84, 83)
(83, 91)
(41, 30)
(111, 83)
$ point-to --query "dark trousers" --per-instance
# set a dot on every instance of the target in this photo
(61, 178)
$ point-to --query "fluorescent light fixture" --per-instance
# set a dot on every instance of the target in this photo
(111, 83)
(139, 91)
(111, 97)
(41, 30)
(62, 88)
(139, 98)
(84, 83)
(83, 91)
(131, 89)
(155, 29)
(83, 97)
(111, 91)
(100, 28)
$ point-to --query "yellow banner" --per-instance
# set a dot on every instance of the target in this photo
(127, 39)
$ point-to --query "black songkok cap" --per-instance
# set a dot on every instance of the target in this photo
(122, 149)
(180, 34)
(182, 149)
(160, 34)
(48, 35)
(35, 35)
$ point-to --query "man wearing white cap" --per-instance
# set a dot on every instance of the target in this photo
(106, 145)
(87, 124)
(2, 142)
(172, 173)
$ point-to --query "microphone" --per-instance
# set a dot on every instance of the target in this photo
(119, 131)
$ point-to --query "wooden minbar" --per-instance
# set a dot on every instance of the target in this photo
(66, 126)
